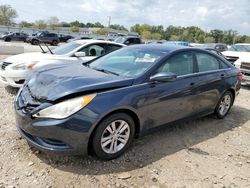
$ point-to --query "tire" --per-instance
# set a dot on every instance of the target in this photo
(224, 105)
(54, 43)
(8, 39)
(103, 138)
(34, 42)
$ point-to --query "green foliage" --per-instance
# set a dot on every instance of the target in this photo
(190, 34)
(65, 24)
(247, 40)
(40, 24)
(98, 24)
(53, 22)
(118, 27)
(25, 24)
(102, 31)
(75, 24)
(209, 39)
(7, 14)
(149, 32)
(146, 34)
(75, 29)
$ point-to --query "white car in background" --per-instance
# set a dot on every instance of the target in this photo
(14, 69)
(243, 63)
(236, 51)
(239, 55)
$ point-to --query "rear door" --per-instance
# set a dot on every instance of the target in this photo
(210, 78)
(16, 36)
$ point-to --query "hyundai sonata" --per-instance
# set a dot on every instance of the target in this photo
(102, 105)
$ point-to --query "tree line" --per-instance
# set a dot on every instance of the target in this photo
(192, 34)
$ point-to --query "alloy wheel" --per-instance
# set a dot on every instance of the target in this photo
(225, 105)
(115, 136)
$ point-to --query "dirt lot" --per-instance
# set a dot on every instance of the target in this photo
(202, 153)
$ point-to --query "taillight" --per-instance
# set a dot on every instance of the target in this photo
(240, 75)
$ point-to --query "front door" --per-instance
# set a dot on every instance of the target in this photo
(170, 101)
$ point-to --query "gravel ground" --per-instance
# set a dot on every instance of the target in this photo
(202, 153)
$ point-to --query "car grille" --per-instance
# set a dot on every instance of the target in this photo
(26, 102)
(245, 65)
(232, 59)
(4, 65)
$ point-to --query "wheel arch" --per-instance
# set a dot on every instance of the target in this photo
(130, 112)
(233, 93)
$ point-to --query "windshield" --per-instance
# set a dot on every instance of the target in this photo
(66, 48)
(128, 62)
(240, 48)
(120, 40)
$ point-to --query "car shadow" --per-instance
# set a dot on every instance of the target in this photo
(148, 149)
(11, 90)
(246, 87)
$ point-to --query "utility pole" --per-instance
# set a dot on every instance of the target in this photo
(109, 21)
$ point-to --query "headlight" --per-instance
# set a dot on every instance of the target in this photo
(65, 108)
(19, 67)
(24, 66)
(237, 63)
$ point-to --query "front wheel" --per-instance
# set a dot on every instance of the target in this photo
(113, 136)
(224, 105)
(35, 42)
(8, 39)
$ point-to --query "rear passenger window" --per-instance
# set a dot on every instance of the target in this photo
(223, 65)
(180, 64)
(207, 62)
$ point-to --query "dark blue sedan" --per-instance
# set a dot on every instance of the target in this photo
(100, 106)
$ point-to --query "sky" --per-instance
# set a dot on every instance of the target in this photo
(206, 14)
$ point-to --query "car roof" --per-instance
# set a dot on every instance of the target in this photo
(90, 41)
(160, 47)
(242, 44)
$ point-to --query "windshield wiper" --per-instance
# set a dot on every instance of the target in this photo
(106, 71)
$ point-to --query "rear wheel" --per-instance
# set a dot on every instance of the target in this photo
(224, 105)
(113, 136)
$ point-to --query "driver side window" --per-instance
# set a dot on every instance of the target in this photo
(180, 64)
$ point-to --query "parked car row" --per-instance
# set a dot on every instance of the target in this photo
(95, 96)
(7, 37)
(38, 37)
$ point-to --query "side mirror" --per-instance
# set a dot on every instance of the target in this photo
(164, 77)
(80, 54)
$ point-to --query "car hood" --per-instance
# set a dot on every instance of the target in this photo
(61, 81)
(27, 57)
(245, 58)
(235, 54)
(34, 57)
